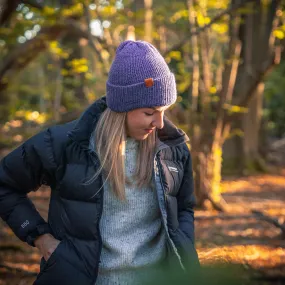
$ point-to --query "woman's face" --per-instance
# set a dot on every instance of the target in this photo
(143, 121)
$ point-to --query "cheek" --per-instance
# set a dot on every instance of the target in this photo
(137, 121)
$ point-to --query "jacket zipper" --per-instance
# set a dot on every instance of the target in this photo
(158, 167)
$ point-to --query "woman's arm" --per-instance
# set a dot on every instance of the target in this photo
(186, 200)
(23, 170)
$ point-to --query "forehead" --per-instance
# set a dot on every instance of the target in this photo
(160, 109)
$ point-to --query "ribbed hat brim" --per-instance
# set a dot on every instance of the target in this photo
(125, 98)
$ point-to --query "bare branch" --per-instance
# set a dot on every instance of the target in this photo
(244, 100)
(93, 42)
(229, 79)
(6, 10)
(194, 92)
(270, 220)
(23, 54)
(117, 31)
(256, 214)
(33, 4)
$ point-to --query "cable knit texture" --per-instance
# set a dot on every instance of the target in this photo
(135, 62)
(134, 240)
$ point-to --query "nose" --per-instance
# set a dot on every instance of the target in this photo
(158, 120)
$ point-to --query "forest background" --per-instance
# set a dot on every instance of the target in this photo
(228, 60)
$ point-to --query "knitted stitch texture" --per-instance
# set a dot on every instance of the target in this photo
(134, 240)
(139, 77)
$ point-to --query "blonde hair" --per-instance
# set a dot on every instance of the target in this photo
(110, 141)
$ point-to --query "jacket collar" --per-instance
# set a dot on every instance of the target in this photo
(169, 135)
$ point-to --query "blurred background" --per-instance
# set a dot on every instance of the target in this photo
(228, 59)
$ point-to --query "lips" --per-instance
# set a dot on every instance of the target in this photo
(148, 130)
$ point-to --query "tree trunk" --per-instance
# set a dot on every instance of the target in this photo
(207, 168)
(241, 81)
(162, 38)
(257, 51)
(137, 7)
(148, 20)
(242, 151)
(251, 127)
(57, 95)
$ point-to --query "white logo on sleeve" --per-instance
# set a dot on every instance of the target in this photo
(25, 223)
(173, 169)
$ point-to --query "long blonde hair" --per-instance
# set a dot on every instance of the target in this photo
(110, 141)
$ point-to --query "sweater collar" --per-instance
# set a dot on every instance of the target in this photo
(86, 124)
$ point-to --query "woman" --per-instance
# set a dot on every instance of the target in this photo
(121, 204)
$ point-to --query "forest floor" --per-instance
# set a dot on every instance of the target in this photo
(236, 238)
(240, 237)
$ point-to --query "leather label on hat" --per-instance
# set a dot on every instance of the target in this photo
(148, 82)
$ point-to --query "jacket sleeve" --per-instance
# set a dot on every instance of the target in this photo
(23, 170)
(186, 200)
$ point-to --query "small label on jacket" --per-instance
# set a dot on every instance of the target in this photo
(25, 223)
(173, 169)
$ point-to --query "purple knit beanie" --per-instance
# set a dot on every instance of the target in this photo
(139, 77)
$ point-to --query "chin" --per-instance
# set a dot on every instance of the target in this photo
(141, 137)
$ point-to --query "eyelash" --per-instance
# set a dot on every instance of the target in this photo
(148, 114)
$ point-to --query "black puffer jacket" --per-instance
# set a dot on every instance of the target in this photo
(61, 158)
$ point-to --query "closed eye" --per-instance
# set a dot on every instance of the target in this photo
(148, 114)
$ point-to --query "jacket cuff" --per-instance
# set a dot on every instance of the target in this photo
(40, 230)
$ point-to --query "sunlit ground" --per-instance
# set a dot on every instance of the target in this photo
(241, 238)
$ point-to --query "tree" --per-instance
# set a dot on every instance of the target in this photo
(250, 57)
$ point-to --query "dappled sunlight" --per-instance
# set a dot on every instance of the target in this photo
(222, 231)
(254, 183)
(260, 192)
(256, 256)
(239, 236)
(239, 185)
(251, 232)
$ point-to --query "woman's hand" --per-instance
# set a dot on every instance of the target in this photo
(46, 244)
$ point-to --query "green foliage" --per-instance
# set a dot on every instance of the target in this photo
(235, 109)
(173, 15)
(57, 50)
(219, 274)
(27, 93)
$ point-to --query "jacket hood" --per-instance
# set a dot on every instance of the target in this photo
(169, 134)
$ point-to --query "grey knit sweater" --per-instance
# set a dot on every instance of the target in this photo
(134, 240)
